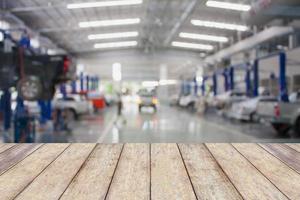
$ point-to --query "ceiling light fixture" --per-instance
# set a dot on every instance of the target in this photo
(192, 46)
(229, 6)
(112, 35)
(114, 22)
(115, 45)
(104, 4)
(204, 37)
(219, 25)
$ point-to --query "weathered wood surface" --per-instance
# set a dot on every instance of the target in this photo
(149, 171)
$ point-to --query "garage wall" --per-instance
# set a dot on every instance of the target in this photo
(140, 65)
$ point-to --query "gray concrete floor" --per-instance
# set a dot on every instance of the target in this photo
(168, 125)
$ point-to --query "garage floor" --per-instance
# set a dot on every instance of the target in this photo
(169, 125)
(144, 171)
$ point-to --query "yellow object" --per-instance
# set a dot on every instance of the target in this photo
(155, 101)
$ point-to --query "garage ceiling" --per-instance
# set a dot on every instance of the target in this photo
(160, 25)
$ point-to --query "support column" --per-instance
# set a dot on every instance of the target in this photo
(74, 87)
(203, 86)
(226, 81)
(282, 78)
(248, 82)
(63, 90)
(231, 76)
(256, 78)
(215, 84)
(87, 83)
(7, 112)
(81, 82)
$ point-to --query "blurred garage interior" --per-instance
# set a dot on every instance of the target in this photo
(118, 71)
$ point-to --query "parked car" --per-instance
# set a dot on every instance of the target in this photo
(247, 110)
(188, 101)
(76, 105)
(224, 101)
(283, 116)
(147, 99)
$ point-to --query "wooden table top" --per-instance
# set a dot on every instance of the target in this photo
(149, 171)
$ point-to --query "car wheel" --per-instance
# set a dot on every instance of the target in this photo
(30, 88)
(282, 129)
(71, 115)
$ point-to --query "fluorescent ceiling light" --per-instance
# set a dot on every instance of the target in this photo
(219, 25)
(204, 37)
(193, 46)
(167, 82)
(115, 45)
(229, 6)
(114, 22)
(150, 84)
(112, 35)
(104, 4)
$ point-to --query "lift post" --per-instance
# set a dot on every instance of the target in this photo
(81, 82)
(231, 78)
(282, 75)
(215, 84)
(226, 79)
(6, 108)
(74, 86)
(87, 83)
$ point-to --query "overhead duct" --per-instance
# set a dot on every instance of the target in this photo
(263, 11)
(250, 43)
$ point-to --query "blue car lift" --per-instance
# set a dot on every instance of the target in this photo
(282, 75)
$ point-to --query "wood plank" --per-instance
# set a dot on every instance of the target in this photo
(208, 179)
(4, 147)
(55, 179)
(15, 154)
(95, 177)
(294, 146)
(132, 176)
(247, 179)
(283, 177)
(18, 177)
(169, 178)
(286, 154)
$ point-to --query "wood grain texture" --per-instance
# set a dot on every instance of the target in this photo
(93, 180)
(15, 154)
(294, 146)
(250, 182)
(25, 171)
(132, 176)
(55, 179)
(169, 179)
(284, 178)
(285, 153)
(4, 147)
(208, 179)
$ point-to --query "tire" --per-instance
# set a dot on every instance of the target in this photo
(30, 88)
(71, 115)
(282, 129)
(191, 107)
(297, 126)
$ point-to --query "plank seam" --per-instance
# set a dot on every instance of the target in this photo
(19, 160)
(287, 145)
(150, 171)
(288, 165)
(79, 170)
(8, 148)
(113, 175)
(220, 166)
(41, 171)
(187, 171)
(259, 171)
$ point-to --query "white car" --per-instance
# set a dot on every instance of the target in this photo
(246, 110)
(76, 104)
(188, 101)
(224, 101)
